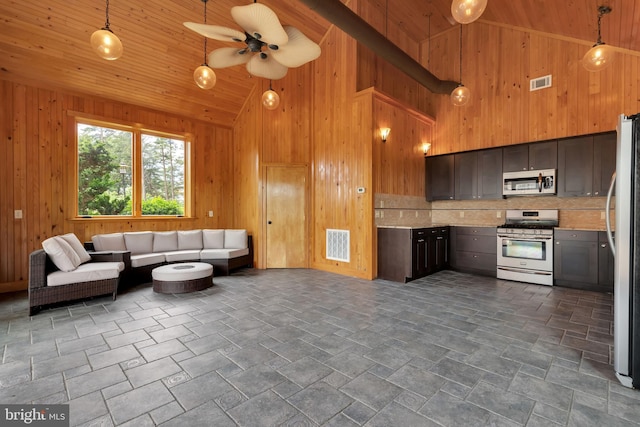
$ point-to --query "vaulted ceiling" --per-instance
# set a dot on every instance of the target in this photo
(46, 43)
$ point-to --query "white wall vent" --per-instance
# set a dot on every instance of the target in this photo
(540, 83)
(338, 245)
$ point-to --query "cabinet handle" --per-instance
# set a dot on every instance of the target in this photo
(531, 168)
(475, 256)
(475, 238)
(439, 238)
(557, 243)
(434, 231)
(604, 245)
(588, 194)
(420, 240)
(596, 193)
(574, 235)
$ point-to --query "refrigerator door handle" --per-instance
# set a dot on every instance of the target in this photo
(607, 214)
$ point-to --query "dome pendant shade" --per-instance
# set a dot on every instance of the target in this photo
(460, 95)
(106, 44)
(467, 11)
(204, 77)
(598, 57)
(270, 99)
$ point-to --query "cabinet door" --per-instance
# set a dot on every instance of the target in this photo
(442, 250)
(466, 176)
(490, 174)
(439, 175)
(604, 162)
(543, 155)
(420, 253)
(515, 158)
(575, 257)
(606, 263)
(575, 167)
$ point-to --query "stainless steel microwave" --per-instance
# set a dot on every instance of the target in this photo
(529, 183)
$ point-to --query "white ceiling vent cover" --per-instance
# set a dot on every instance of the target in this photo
(338, 245)
(540, 83)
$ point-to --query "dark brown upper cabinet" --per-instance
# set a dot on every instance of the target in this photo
(534, 156)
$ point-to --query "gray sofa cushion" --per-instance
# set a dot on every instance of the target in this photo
(189, 239)
(164, 241)
(61, 253)
(235, 239)
(109, 242)
(213, 239)
(139, 242)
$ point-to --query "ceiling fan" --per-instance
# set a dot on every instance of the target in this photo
(270, 50)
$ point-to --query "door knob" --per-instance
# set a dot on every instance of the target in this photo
(268, 222)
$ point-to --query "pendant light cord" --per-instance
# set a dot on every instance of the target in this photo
(600, 13)
(460, 54)
(205, 39)
(106, 24)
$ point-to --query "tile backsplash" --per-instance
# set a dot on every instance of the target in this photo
(585, 213)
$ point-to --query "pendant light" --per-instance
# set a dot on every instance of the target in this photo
(270, 98)
(106, 44)
(204, 76)
(467, 11)
(461, 94)
(600, 55)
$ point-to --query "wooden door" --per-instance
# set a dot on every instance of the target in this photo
(286, 236)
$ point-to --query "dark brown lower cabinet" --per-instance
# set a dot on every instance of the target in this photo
(406, 254)
(474, 250)
(582, 260)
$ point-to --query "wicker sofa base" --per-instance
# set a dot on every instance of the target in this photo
(40, 294)
(75, 291)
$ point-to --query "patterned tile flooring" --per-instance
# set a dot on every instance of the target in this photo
(307, 348)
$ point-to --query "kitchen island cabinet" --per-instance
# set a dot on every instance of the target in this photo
(406, 254)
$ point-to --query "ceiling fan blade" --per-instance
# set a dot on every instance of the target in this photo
(298, 51)
(228, 57)
(267, 68)
(216, 32)
(260, 22)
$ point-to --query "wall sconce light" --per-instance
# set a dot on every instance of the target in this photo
(425, 148)
(384, 134)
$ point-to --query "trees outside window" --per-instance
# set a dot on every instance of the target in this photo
(112, 159)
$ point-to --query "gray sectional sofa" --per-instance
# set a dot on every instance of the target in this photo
(225, 249)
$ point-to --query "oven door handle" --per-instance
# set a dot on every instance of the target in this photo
(517, 270)
(520, 237)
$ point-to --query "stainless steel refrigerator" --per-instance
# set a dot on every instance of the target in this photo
(626, 250)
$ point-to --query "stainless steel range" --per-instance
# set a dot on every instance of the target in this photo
(525, 246)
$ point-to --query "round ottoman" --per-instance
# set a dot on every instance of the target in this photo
(182, 277)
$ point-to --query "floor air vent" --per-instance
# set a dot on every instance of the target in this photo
(338, 245)
(540, 83)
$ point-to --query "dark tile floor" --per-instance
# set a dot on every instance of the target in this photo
(303, 347)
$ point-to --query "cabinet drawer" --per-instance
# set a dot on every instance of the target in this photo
(481, 244)
(419, 233)
(576, 235)
(476, 261)
(478, 231)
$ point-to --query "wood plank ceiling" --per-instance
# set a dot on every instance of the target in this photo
(46, 43)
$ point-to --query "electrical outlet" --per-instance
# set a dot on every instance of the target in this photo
(602, 215)
(461, 214)
(17, 214)
(401, 214)
(498, 214)
(210, 214)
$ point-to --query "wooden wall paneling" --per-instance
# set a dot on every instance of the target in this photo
(247, 185)
(286, 131)
(342, 159)
(37, 133)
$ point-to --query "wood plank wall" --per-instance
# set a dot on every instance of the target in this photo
(498, 63)
(37, 177)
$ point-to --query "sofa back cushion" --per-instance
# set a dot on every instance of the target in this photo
(61, 253)
(189, 239)
(75, 244)
(109, 242)
(235, 239)
(139, 242)
(213, 239)
(165, 241)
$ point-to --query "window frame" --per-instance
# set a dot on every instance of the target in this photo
(137, 130)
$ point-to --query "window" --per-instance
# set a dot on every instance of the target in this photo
(128, 171)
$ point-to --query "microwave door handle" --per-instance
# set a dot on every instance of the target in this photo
(607, 215)
(540, 182)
